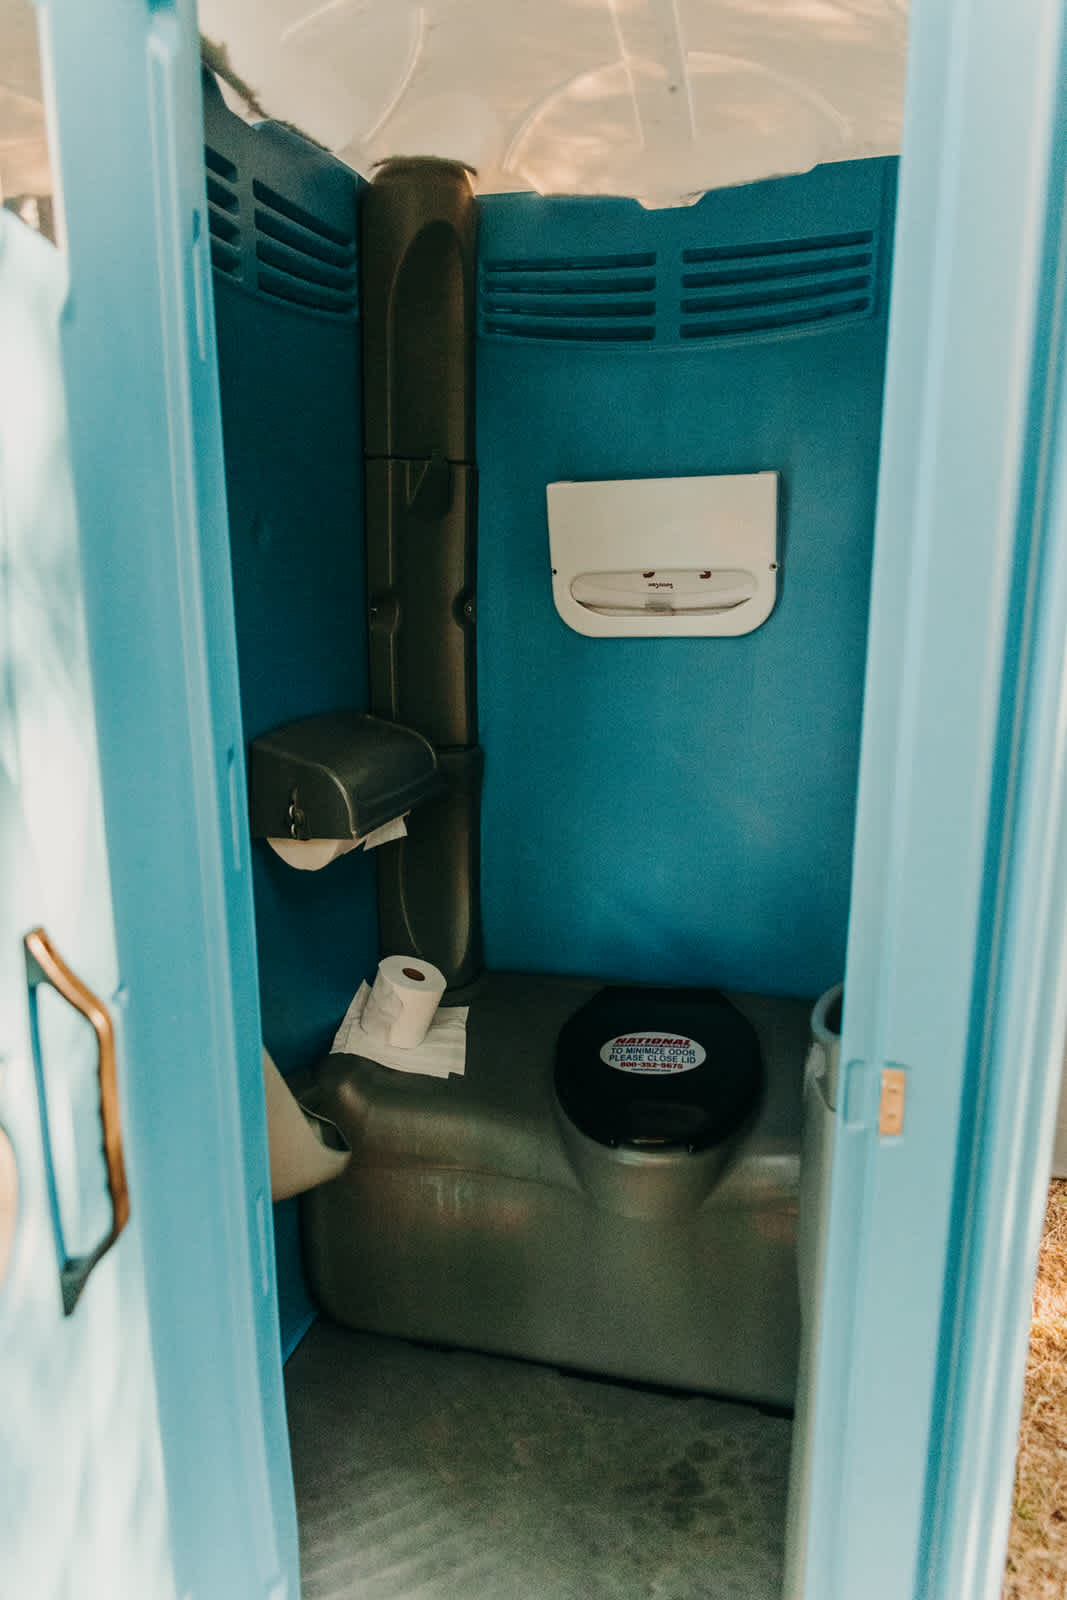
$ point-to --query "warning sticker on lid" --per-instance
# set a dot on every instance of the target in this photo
(652, 1052)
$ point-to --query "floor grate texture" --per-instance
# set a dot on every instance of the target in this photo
(424, 1474)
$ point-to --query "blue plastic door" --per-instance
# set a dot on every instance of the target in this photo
(82, 1493)
(958, 940)
(137, 342)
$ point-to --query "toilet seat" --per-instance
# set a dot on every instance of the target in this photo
(658, 1069)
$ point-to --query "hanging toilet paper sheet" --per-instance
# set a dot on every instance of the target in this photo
(397, 1022)
(310, 855)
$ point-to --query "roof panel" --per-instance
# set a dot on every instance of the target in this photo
(658, 100)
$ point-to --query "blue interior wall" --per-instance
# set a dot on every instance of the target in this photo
(678, 811)
(295, 503)
(294, 477)
(292, 428)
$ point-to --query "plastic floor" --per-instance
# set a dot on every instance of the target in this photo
(426, 1474)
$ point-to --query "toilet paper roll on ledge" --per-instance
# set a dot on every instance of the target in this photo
(399, 1024)
(402, 1002)
(299, 1157)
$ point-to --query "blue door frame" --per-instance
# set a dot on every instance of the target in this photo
(957, 938)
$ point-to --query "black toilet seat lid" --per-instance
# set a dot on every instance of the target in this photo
(659, 1068)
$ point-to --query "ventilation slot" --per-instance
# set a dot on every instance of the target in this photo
(332, 241)
(299, 292)
(732, 291)
(225, 257)
(223, 209)
(585, 299)
(221, 195)
(301, 259)
(219, 164)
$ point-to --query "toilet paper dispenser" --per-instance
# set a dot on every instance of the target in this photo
(341, 775)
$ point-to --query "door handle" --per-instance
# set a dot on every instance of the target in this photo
(45, 965)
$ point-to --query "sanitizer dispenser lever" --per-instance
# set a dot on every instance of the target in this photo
(667, 591)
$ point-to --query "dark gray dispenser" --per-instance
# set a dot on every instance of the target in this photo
(337, 776)
(417, 254)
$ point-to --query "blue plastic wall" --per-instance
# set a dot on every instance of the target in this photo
(679, 811)
(294, 475)
(292, 427)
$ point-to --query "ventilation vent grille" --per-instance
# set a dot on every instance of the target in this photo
(224, 207)
(301, 258)
(271, 244)
(726, 292)
(745, 291)
(586, 299)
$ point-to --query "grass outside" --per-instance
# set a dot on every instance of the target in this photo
(1037, 1546)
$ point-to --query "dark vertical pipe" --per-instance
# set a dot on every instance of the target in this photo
(418, 259)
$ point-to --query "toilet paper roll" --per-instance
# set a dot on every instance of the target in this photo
(401, 1005)
(298, 1158)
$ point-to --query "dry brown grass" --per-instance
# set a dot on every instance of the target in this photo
(1037, 1547)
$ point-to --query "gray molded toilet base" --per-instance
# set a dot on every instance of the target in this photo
(461, 1220)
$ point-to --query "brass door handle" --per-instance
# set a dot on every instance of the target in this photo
(45, 965)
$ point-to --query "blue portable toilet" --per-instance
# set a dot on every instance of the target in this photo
(867, 784)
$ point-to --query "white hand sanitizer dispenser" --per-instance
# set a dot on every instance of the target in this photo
(670, 557)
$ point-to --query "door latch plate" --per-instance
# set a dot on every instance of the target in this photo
(891, 1104)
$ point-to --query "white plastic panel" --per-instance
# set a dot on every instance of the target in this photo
(656, 99)
(667, 557)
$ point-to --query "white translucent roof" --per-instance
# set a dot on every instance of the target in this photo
(656, 99)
